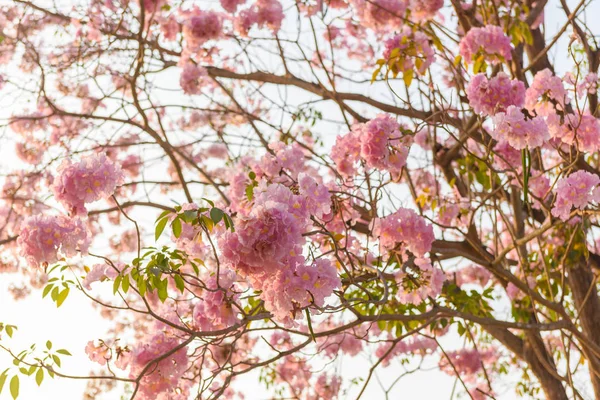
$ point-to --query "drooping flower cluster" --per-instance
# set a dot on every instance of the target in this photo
(379, 143)
(44, 238)
(93, 178)
(490, 96)
(409, 51)
(577, 190)
(490, 42)
(512, 127)
(405, 228)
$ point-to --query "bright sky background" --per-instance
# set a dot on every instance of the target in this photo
(76, 322)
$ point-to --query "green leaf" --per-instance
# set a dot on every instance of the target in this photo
(310, 328)
(116, 284)
(250, 192)
(49, 345)
(160, 227)
(408, 77)
(64, 352)
(47, 290)
(56, 359)
(39, 376)
(163, 214)
(60, 299)
(216, 214)
(3, 377)
(14, 386)
(125, 284)
(179, 283)
(162, 289)
(212, 204)
(10, 329)
(176, 225)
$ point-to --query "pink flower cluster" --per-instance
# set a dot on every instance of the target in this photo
(421, 10)
(263, 14)
(93, 178)
(577, 190)
(97, 273)
(202, 26)
(99, 353)
(545, 93)
(379, 14)
(406, 228)
(215, 311)
(582, 131)
(378, 142)
(414, 50)
(267, 246)
(419, 282)
(489, 96)
(418, 345)
(231, 6)
(192, 78)
(512, 127)
(162, 377)
(489, 41)
(44, 238)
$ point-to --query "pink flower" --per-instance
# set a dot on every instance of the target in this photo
(93, 178)
(589, 85)
(98, 273)
(577, 190)
(488, 97)
(44, 238)
(413, 50)
(98, 353)
(512, 127)
(318, 199)
(407, 228)
(489, 41)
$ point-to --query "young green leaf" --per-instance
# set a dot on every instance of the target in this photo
(216, 214)
(160, 227)
(14, 386)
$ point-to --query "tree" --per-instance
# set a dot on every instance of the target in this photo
(270, 185)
